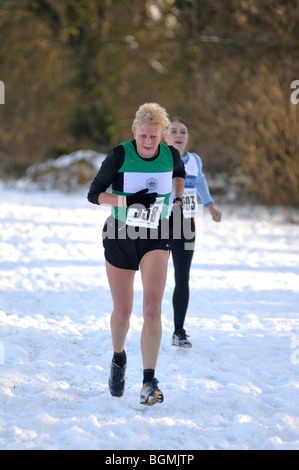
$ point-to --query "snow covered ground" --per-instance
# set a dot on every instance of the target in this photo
(237, 388)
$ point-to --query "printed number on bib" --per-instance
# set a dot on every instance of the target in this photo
(189, 202)
(142, 217)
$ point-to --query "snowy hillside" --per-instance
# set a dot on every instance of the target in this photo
(237, 388)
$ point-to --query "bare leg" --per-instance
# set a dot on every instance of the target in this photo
(121, 283)
(153, 268)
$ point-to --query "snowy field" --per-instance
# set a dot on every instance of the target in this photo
(237, 388)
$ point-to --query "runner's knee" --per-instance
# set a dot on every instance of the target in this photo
(152, 310)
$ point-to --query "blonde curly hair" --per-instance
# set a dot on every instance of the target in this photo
(151, 113)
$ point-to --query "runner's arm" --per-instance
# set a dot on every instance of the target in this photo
(107, 173)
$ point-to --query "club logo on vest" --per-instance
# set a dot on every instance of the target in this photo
(152, 184)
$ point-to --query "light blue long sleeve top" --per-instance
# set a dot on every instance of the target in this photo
(201, 184)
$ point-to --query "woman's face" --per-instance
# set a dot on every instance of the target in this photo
(148, 138)
(177, 136)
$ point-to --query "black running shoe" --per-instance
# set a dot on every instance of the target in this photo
(117, 379)
(179, 338)
(150, 393)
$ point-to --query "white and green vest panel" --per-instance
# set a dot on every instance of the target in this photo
(138, 174)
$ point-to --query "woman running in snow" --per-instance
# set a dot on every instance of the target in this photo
(182, 247)
(142, 173)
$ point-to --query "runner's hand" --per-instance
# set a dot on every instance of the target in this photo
(141, 198)
(216, 215)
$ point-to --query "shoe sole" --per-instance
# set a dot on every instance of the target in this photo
(157, 398)
(184, 345)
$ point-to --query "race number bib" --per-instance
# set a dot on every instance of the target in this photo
(189, 202)
(148, 218)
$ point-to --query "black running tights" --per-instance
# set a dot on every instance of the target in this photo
(182, 259)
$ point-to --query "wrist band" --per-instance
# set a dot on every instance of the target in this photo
(180, 199)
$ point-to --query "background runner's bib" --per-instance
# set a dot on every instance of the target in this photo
(190, 197)
(190, 202)
(138, 173)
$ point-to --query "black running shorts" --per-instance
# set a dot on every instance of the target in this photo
(124, 246)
